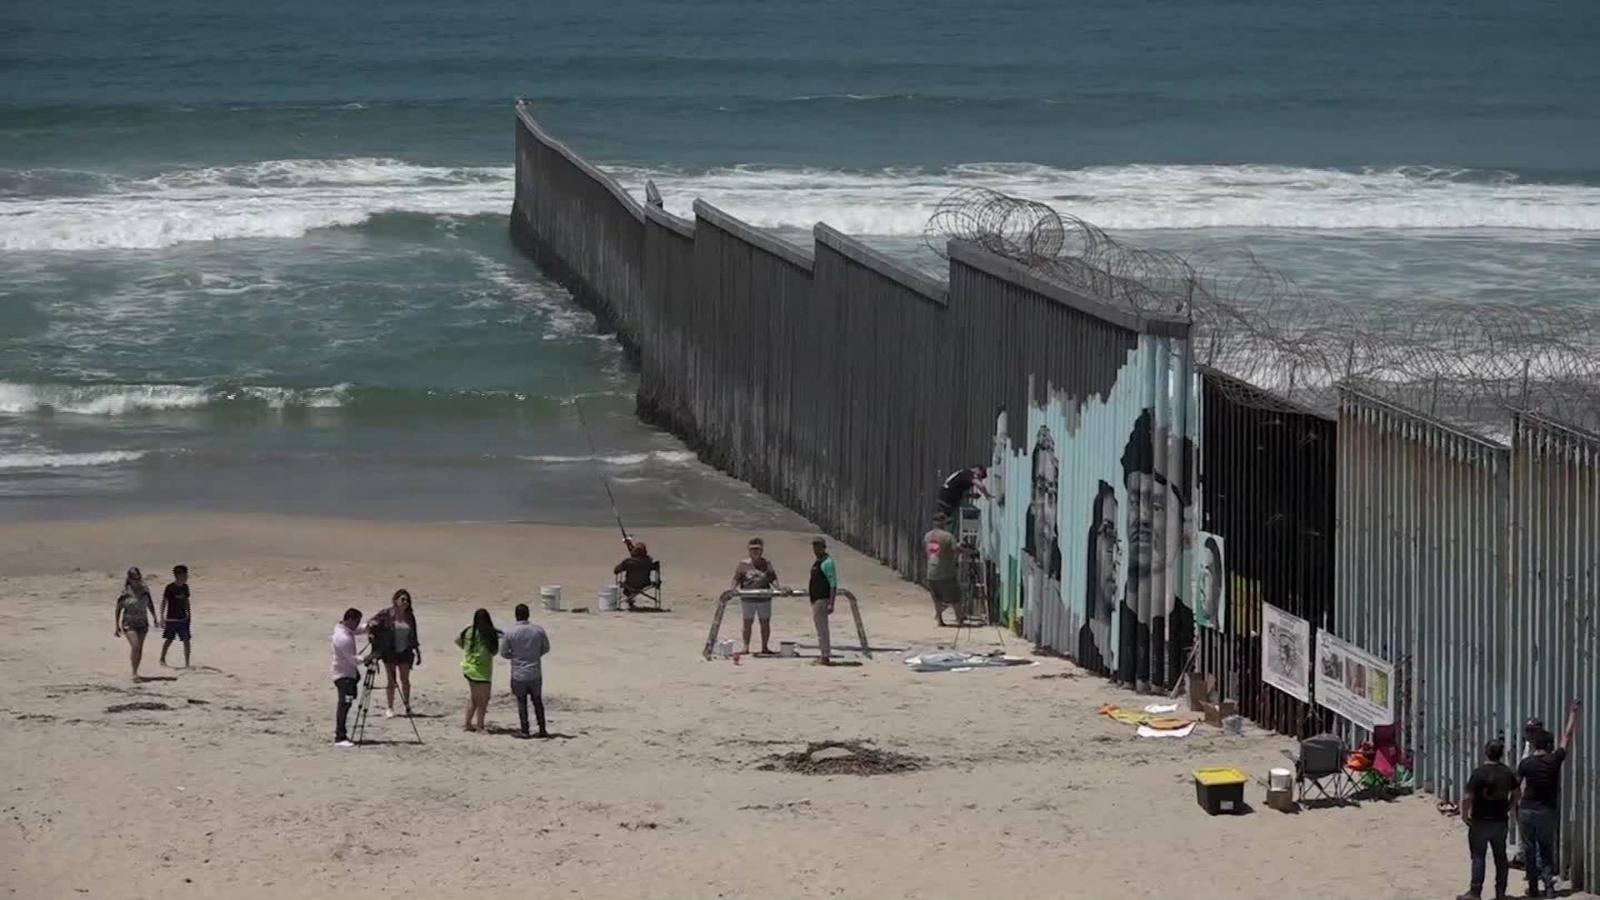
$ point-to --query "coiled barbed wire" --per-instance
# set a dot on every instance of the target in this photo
(1469, 363)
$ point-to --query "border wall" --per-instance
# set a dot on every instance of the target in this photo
(1474, 569)
(1267, 476)
(846, 385)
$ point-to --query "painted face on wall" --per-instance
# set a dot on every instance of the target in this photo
(1046, 477)
(1108, 553)
(1210, 580)
(1042, 505)
(1148, 523)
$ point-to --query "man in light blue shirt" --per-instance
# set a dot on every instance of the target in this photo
(525, 644)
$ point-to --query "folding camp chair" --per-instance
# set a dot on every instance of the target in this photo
(1319, 765)
(651, 591)
(1390, 765)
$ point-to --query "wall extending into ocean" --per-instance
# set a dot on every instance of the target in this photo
(1143, 507)
(847, 385)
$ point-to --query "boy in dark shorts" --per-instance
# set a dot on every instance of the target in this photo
(175, 610)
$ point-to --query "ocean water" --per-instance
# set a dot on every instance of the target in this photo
(254, 256)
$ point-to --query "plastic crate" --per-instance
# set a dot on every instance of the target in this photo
(1220, 791)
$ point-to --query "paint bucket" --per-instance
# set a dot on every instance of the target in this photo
(550, 596)
(608, 598)
(788, 648)
(724, 649)
(1280, 780)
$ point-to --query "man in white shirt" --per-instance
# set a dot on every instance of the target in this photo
(347, 665)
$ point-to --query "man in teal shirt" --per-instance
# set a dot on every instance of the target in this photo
(823, 586)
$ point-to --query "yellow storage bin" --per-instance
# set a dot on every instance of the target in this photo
(1220, 790)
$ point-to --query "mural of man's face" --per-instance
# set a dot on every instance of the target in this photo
(1045, 479)
(1108, 552)
(1148, 502)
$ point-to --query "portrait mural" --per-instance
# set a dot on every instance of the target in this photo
(1113, 471)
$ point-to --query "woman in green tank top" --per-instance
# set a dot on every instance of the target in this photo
(479, 642)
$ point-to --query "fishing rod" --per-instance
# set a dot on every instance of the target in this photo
(594, 456)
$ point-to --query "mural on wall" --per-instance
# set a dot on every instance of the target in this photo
(1210, 584)
(1103, 582)
(1103, 573)
(1041, 551)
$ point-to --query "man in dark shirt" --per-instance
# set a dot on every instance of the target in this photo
(1486, 808)
(1540, 775)
(958, 485)
(175, 603)
(637, 571)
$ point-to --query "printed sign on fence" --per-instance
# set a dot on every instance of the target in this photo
(1286, 652)
(1211, 579)
(1353, 683)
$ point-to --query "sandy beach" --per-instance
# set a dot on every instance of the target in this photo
(655, 787)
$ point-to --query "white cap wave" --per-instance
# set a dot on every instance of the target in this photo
(273, 199)
(288, 198)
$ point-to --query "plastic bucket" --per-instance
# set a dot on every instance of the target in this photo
(608, 598)
(550, 596)
(788, 648)
(1280, 780)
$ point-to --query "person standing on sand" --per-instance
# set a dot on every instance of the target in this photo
(942, 570)
(1486, 807)
(132, 618)
(822, 588)
(756, 573)
(395, 640)
(1539, 814)
(346, 671)
(479, 642)
(175, 609)
(525, 644)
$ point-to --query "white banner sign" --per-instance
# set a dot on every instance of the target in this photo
(1353, 683)
(1286, 652)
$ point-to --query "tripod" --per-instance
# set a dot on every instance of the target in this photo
(364, 705)
(974, 612)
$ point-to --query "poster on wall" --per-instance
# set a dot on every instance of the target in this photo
(1286, 652)
(1353, 683)
(1210, 583)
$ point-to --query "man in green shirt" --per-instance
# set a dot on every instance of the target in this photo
(823, 586)
(942, 582)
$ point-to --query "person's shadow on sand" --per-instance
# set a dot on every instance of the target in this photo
(144, 678)
(516, 733)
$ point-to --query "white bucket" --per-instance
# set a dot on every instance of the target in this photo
(609, 598)
(550, 596)
(788, 648)
(1280, 780)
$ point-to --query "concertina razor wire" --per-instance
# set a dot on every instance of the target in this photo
(1472, 364)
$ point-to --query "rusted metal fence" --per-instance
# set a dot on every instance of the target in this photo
(1267, 476)
(1475, 569)
(1552, 647)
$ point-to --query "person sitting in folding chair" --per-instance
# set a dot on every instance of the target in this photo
(639, 575)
